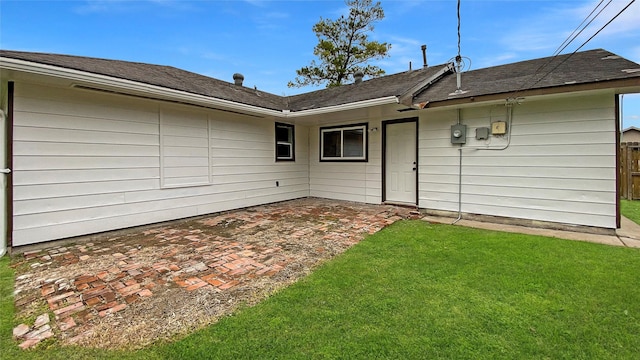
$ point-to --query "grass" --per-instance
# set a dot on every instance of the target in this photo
(418, 290)
(630, 209)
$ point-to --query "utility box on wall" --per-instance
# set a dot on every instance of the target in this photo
(458, 134)
(482, 133)
(499, 128)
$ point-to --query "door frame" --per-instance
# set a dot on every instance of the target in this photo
(384, 154)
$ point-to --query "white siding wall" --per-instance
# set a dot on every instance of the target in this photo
(560, 165)
(352, 181)
(86, 162)
(184, 147)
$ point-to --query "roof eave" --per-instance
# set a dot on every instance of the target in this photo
(632, 84)
(129, 87)
(387, 100)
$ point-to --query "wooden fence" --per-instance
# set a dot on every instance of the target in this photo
(630, 170)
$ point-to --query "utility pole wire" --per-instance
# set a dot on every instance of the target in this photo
(575, 51)
(572, 37)
(604, 26)
(459, 30)
(567, 41)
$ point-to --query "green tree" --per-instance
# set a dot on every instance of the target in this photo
(344, 48)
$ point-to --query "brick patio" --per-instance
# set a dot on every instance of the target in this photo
(131, 283)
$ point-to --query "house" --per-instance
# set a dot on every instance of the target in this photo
(630, 134)
(93, 145)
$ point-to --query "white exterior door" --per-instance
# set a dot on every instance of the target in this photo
(400, 163)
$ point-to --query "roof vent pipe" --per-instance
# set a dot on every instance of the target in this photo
(458, 71)
(238, 79)
(358, 77)
(424, 55)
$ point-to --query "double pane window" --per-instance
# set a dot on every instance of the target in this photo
(344, 143)
(285, 145)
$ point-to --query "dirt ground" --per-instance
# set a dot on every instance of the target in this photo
(127, 289)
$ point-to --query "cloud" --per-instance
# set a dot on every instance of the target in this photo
(258, 3)
(271, 20)
(634, 54)
(547, 30)
(536, 33)
(403, 51)
(402, 46)
(118, 6)
(631, 110)
(210, 55)
(627, 22)
(410, 6)
(494, 59)
(100, 6)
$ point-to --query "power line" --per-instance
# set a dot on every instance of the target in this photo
(567, 41)
(458, 30)
(575, 51)
(572, 37)
(604, 26)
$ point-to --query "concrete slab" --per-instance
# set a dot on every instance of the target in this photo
(633, 232)
(628, 242)
(628, 229)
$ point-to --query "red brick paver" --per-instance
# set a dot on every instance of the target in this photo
(223, 252)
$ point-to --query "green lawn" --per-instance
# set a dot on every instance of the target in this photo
(418, 290)
(630, 209)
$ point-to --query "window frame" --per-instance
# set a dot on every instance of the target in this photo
(342, 128)
(291, 144)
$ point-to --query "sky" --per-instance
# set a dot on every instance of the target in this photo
(267, 40)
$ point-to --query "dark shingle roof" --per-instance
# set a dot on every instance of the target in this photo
(164, 76)
(390, 85)
(580, 68)
(584, 67)
(173, 78)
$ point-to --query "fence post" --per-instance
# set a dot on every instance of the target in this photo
(629, 177)
(622, 175)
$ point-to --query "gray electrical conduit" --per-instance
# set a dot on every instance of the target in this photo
(459, 186)
(509, 106)
(459, 179)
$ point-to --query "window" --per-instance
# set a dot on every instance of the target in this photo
(285, 145)
(346, 143)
